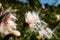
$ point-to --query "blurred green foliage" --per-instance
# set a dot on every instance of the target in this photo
(49, 17)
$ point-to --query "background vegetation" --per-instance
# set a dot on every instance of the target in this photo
(48, 15)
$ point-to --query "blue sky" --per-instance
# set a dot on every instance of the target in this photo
(23, 1)
(50, 2)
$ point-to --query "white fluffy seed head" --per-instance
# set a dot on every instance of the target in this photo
(8, 25)
(37, 25)
(31, 17)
